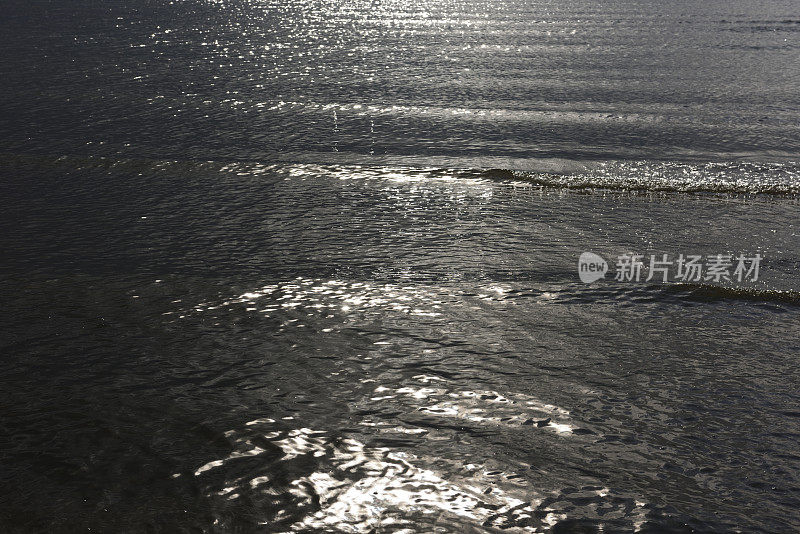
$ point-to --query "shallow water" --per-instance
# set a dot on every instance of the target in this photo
(312, 267)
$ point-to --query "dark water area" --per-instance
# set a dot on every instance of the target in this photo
(313, 266)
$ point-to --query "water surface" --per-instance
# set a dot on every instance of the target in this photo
(312, 266)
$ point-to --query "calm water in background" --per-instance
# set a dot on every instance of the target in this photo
(257, 275)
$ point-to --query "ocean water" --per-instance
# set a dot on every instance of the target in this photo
(306, 266)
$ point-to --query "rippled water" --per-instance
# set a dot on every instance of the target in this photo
(312, 267)
(467, 80)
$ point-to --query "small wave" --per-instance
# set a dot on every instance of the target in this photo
(778, 178)
(734, 178)
(711, 293)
